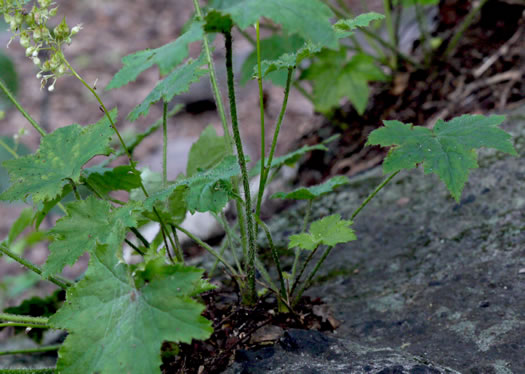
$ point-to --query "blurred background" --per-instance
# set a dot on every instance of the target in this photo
(420, 73)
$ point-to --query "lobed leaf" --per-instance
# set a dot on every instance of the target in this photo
(310, 19)
(117, 325)
(313, 192)
(208, 190)
(330, 230)
(166, 57)
(334, 78)
(177, 82)
(87, 224)
(447, 150)
(59, 159)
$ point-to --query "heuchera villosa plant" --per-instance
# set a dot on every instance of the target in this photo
(118, 314)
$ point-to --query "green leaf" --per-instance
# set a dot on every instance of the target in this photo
(23, 221)
(88, 223)
(206, 152)
(345, 27)
(447, 150)
(288, 159)
(117, 327)
(216, 22)
(59, 159)
(272, 48)
(166, 57)
(177, 82)
(9, 76)
(310, 19)
(208, 190)
(334, 79)
(105, 180)
(330, 230)
(310, 193)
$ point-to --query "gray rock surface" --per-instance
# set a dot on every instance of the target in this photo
(428, 277)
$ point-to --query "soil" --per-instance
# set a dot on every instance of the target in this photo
(463, 83)
(485, 73)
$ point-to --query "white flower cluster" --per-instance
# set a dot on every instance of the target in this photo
(35, 35)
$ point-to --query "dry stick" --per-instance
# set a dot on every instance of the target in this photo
(59, 281)
(250, 261)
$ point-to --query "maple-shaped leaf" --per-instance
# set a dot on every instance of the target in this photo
(208, 190)
(310, 19)
(87, 223)
(206, 152)
(166, 57)
(330, 230)
(313, 192)
(334, 78)
(117, 325)
(177, 82)
(447, 150)
(287, 159)
(59, 159)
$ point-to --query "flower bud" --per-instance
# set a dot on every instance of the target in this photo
(36, 61)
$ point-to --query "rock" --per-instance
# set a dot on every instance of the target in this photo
(439, 281)
(312, 352)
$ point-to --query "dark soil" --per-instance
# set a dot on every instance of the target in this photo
(237, 328)
(483, 74)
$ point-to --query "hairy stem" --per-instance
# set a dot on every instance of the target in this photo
(261, 109)
(250, 261)
(59, 281)
(26, 115)
(28, 371)
(135, 248)
(26, 325)
(48, 348)
(40, 321)
(265, 168)
(213, 81)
